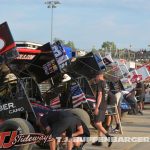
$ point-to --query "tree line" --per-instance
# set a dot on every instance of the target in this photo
(106, 48)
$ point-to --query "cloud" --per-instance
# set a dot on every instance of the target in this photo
(82, 3)
(132, 5)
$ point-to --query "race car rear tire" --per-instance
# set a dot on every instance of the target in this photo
(83, 115)
(22, 126)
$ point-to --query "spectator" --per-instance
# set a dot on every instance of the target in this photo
(140, 93)
(4, 71)
(131, 99)
(114, 99)
(6, 76)
(101, 90)
(146, 88)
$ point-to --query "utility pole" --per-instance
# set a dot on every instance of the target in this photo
(52, 4)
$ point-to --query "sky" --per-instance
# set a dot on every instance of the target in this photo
(88, 23)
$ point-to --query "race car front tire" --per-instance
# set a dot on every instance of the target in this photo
(20, 125)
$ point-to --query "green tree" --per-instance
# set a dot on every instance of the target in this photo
(94, 49)
(61, 41)
(70, 44)
(110, 46)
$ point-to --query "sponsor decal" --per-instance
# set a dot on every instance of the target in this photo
(25, 57)
(50, 67)
(10, 108)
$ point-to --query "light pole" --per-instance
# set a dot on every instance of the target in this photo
(52, 4)
(148, 47)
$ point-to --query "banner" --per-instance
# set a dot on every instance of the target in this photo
(78, 97)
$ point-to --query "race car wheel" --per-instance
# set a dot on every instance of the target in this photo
(20, 125)
(82, 114)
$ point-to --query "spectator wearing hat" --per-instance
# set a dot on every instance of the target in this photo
(6, 76)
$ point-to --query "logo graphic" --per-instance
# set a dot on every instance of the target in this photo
(2, 44)
(16, 139)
